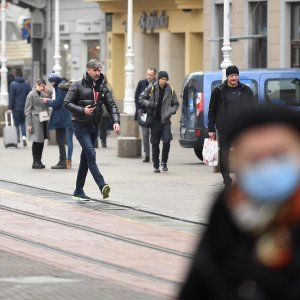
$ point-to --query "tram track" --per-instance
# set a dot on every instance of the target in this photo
(113, 204)
(78, 256)
(97, 232)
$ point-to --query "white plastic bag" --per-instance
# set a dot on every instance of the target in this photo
(210, 152)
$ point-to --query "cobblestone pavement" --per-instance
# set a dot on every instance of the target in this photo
(22, 278)
(52, 247)
(185, 192)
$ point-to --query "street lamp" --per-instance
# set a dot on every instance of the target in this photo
(226, 40)
(129, 142)
(57, 67)
(129, 106)
(3, 70)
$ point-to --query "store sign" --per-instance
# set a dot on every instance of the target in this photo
(86, 26)
(152, 21)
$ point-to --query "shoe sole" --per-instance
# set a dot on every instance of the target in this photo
(105, 192)
(80, 199)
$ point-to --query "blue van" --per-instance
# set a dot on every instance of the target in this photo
(278, 86)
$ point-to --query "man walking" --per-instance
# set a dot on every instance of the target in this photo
(19, 89)
(226, 99)
(161, 102)
(84, 100)
(142, 85)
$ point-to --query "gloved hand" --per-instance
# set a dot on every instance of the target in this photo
(152, 104)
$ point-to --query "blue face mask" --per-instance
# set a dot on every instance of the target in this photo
(271, 181)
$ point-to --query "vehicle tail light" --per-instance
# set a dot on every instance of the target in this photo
(200, 103)
(198, 132)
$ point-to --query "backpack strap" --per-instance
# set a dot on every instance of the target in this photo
(151, 91)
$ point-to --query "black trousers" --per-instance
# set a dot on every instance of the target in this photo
(160, 132)
(61, 140)
(224, 159)
(37, 149)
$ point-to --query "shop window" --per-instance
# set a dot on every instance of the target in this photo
(295, 36)
(283, 91)
(66, 59)
(258, 28)
(93, 49)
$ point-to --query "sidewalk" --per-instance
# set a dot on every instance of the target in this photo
(185, 192)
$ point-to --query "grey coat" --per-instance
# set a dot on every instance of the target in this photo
(170, 102)
(33, 107)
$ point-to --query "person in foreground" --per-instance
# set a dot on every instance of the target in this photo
(251, 246)
(84, 100)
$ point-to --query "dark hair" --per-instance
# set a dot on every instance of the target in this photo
(19, 73)
(152, 69)
(40, 81)
(94, 64)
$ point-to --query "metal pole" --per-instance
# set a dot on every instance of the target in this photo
(226, 40)
(129, 106)
(3, 70)
(57, 67)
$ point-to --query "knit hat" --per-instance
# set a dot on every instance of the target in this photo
(261, 115)
(232, 70)
(53, 76)
(163, 74)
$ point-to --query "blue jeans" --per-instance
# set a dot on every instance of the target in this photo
(69, 139)
(86, 136)
(19, 119)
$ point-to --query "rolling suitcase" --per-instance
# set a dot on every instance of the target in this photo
(10, 134)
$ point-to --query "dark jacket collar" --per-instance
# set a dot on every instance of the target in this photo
(225, 84)
(90, 81)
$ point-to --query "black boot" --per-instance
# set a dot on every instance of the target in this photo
(35, 164)
(146, 159)
(40, 162)
(165, 167)
(60, 165)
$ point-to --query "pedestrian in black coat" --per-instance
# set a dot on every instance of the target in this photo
(227, 99)
(142, 85)
(251, 246)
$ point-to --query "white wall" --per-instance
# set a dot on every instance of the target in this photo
(70, 12)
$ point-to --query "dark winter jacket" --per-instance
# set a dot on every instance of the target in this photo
(142, 84)
(218, 113)
(170, 102)
(19, 89)
(225, 266)
(81, 94)
(60, 117)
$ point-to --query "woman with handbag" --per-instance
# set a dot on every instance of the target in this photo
(36, 113)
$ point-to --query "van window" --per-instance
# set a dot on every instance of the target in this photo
(249, 82)
(283, 91)
(193, 86)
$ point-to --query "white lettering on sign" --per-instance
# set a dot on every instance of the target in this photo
(86, 26)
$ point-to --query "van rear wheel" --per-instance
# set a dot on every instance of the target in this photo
(198, 152)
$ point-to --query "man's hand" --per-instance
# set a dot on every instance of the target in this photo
(212, 135)
(89, 110)
(117, 128)
(29, 128)
(45, 100)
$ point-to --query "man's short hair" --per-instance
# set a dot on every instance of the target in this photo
(41, 81)
(94, 64)
(152, 69)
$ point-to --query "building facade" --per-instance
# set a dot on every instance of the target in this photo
(264, 34)
(168, 35)
(82, 36)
